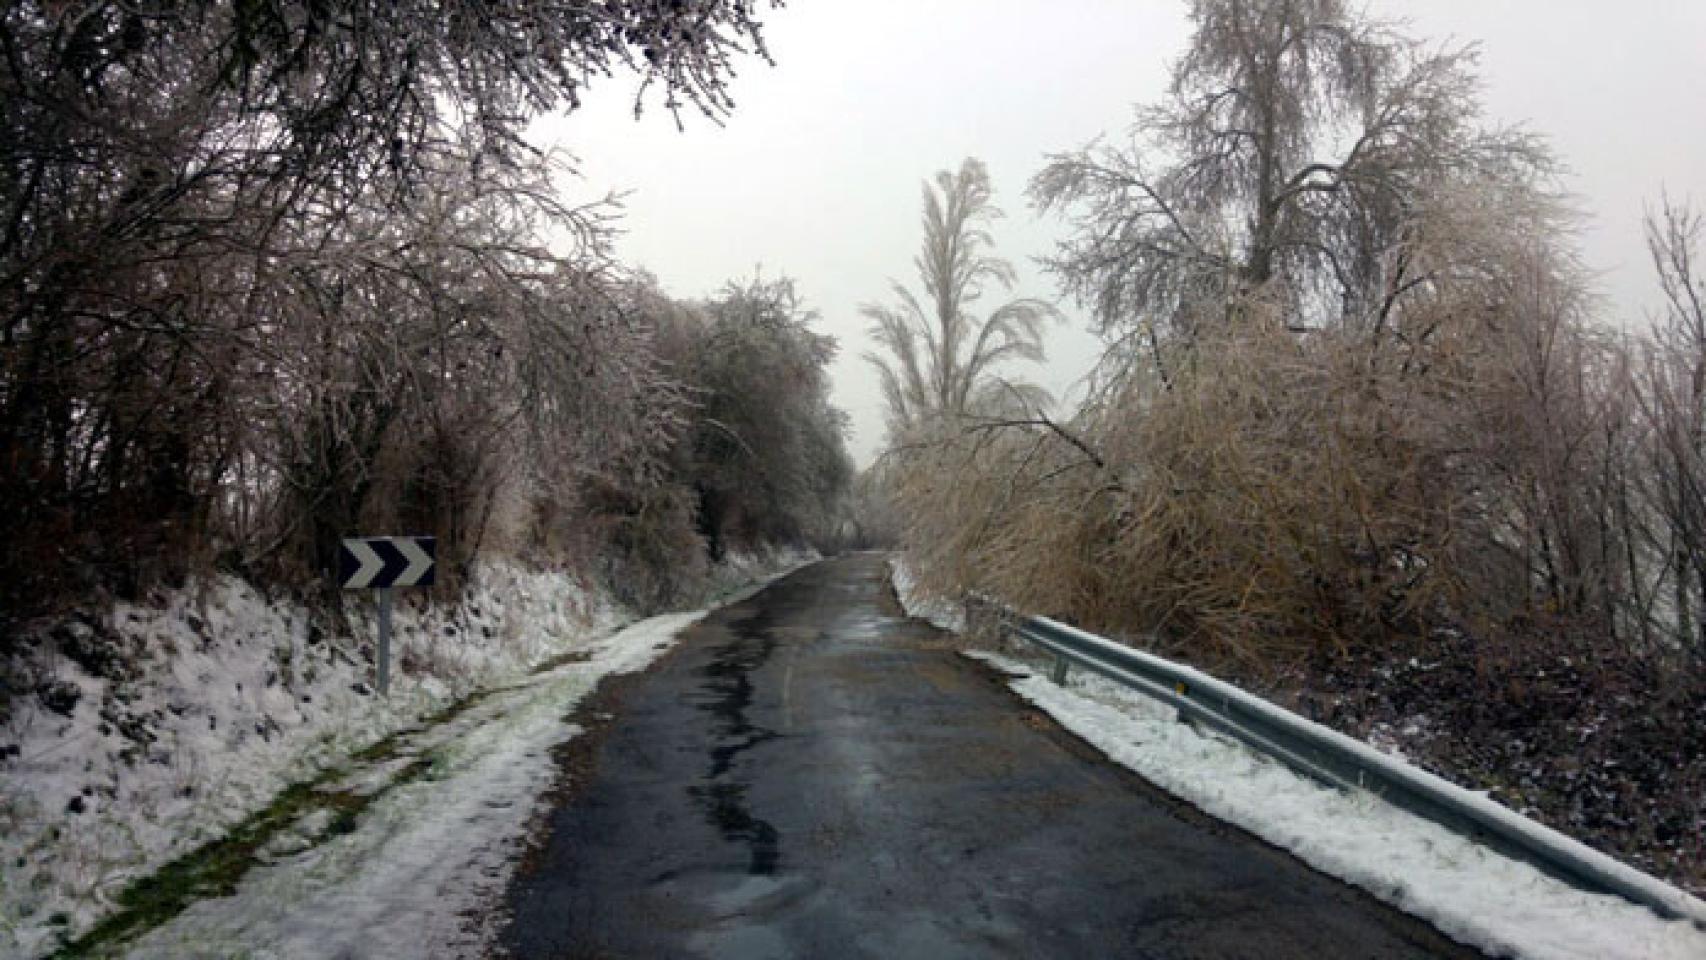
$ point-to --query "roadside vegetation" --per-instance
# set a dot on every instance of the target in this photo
(277, 273)
(273, 274)
(1362, 435)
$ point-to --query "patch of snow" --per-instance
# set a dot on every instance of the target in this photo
(301, 835)
(738, 572)
(371, 780)
(1381, 738)
(236, 699)
(1472, 894)
(937, 610)
(429, 858)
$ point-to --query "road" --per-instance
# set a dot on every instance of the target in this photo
(813, 774)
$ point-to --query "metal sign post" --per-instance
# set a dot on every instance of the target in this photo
(385, 640)
(380, 563)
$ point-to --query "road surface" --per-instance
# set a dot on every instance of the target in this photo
(812, 774)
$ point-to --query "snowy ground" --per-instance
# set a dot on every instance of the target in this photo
(935, 610)
(221, 698)
(430, 856)
(1476, 896)
(1473, 895)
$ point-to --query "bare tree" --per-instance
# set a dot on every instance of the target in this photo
(1288, 178)
(1350, 387)
(177, 185)
(939, 356)
(768, 462)
(1672, 395)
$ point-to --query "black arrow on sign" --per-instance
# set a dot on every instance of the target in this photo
(378, 562)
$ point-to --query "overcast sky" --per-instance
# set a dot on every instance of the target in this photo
(817, 173)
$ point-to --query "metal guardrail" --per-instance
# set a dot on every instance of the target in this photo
(1340, 761)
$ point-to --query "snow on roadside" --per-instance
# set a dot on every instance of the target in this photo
(1475, 896)
(935, 610)
(428, 854)
(234, 697)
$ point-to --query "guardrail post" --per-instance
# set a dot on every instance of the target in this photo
(1058, 675)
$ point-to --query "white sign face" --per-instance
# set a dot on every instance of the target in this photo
(378, 562)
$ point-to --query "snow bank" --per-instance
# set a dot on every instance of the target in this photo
(1475, 896)
(234, 699)
(932, 609)
(418, 876)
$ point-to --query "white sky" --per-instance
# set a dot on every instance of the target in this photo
(817, 173)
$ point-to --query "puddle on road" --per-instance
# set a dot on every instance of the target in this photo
(722, 792)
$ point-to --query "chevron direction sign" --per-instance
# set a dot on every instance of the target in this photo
(382, 562)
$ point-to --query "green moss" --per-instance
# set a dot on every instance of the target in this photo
(208, 871)
(215, 868)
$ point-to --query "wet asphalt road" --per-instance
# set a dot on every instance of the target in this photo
(811, 774)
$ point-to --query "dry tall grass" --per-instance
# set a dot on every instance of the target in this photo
(1282, 494)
